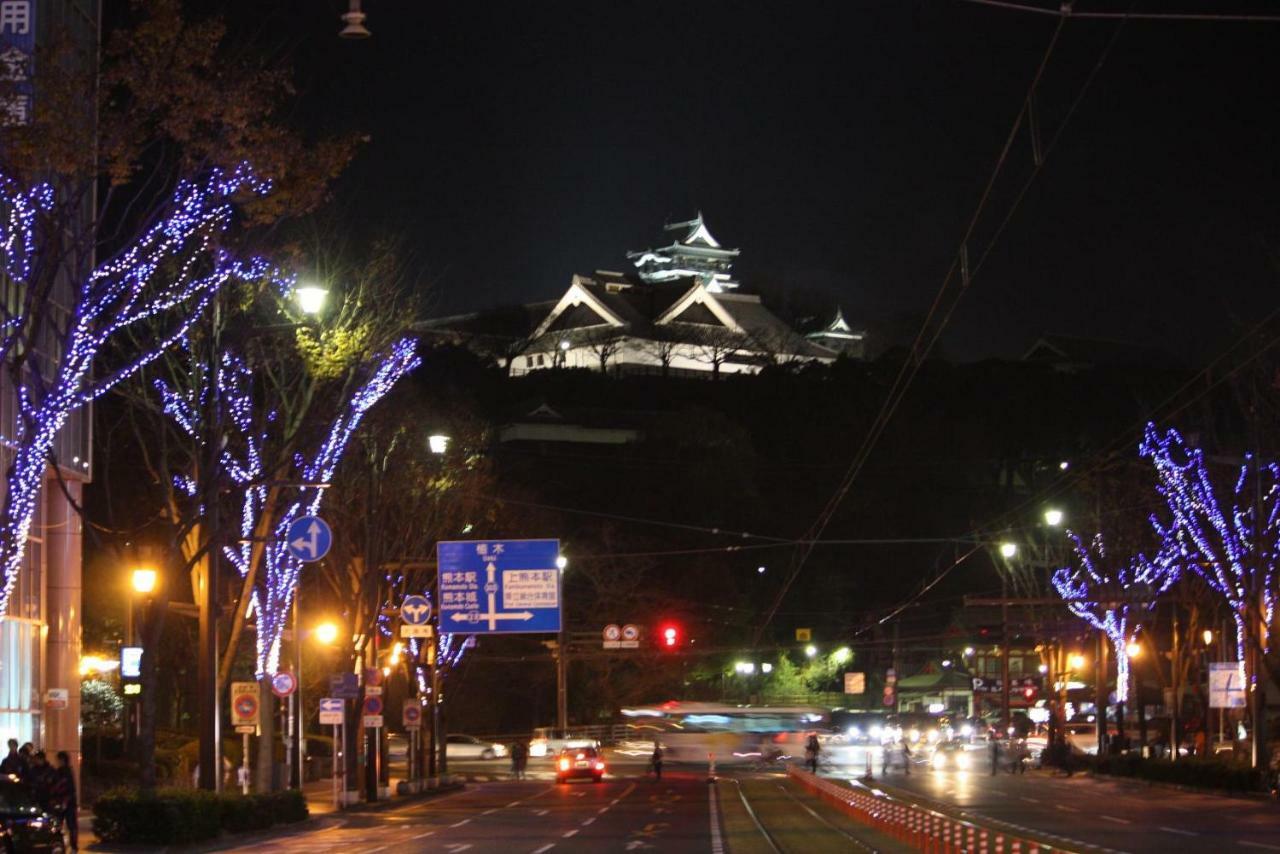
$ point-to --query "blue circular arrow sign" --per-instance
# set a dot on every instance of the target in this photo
(308, 538)
(415, 610)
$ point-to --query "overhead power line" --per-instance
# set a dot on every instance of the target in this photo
(1067, 10)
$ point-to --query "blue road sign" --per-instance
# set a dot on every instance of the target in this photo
(308, 538)
(499, 586)
(415, 610)
(344, 686)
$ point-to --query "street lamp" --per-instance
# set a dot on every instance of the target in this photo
(766, 667)
(438, 443)
(144, 579)
(326, 633)
(841, 655)
(1133, 650)
(745, 667)
(810, 650)
(562, 563)
(1008, 550)
(1053, 517)
(311, 298)
(1076, 661)
(1208, 637)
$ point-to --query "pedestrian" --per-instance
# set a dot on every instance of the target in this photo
(811, 750)
(62, 798)
(655, 761)
(906, 758)
(26, 752)
(40, 776)
(12, 762)
(995, 755)
(519, 758)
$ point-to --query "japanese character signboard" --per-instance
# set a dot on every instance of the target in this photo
(499, 587)
(17, 60)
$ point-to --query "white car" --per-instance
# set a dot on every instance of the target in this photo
(470, 747)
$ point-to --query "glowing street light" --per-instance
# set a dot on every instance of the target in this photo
(746, 667)
(810, 650)
(968, 651)
(1208, 637)
(1133, 650)
(326, 633)
(562, 563)
(438, 443)
(311, 298)
(1053, 517)
(766, 667)
(1008, 550)
(841, 655)
(1076, 661)
(144, 579)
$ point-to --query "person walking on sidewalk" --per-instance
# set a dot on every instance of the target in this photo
(62, 797)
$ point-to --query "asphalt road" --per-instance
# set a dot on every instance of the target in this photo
(532, 817)
(1083, 812)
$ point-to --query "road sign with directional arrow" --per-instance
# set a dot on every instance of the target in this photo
(499, 586)
(308, 538)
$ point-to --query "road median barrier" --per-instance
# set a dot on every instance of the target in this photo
(923, 828)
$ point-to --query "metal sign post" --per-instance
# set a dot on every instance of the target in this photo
(245, 710)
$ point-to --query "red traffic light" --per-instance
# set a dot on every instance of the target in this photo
(1029, 693)
(670, 636)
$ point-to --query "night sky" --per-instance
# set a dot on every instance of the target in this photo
(841, 146)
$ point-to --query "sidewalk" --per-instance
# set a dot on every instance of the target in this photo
(319, 795)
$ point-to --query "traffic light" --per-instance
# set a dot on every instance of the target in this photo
(669, 636)
(1029, 693)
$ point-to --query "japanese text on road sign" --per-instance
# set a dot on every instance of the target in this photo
(494, 587)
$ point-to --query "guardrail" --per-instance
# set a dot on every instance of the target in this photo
(925, 829)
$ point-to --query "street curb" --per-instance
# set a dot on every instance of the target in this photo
(312, 822)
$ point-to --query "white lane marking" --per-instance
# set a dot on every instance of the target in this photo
(424, 835)
(587, 821)
(717, 844)
(1176, 830)
(602, 810)
(1116, 820)
(1249, 844)
(461, 823)
(458, 846)
(489, 812)
(513, 804)
(544, 848)
(1065, 808)
(1031, 800)
(573, 832)
(541, 812)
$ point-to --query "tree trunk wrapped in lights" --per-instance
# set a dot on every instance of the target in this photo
(150, 292)
(1111, 595)
(1231, 544)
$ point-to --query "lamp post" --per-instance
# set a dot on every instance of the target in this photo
(562, 659)
(142, 581)
(1008, 551)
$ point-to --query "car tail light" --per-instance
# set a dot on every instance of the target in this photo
(599, 766)
(564, 764)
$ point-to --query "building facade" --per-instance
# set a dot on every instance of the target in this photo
(40, 633)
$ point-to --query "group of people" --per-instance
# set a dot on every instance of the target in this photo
(54, 787)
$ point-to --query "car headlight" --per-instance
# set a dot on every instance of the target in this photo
(932, 735)
(875, 732)
(854, 732)
(966, 730)
(939, 760)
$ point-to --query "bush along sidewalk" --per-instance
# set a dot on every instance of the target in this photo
(179, 816)
(1218, 774)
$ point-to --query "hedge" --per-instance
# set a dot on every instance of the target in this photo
(1189, 771)
(180, 816)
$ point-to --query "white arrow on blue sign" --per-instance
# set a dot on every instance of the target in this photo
(415, 610)
(331, 711)
(308, 538)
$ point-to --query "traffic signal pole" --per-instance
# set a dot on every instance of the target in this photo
(562, 681)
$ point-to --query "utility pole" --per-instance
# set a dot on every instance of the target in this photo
(207, 666)
(562, 683)
(1004, 654)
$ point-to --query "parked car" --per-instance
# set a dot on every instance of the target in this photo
(550, 742)
(24, 826)
(470, 747)
(579, 763)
